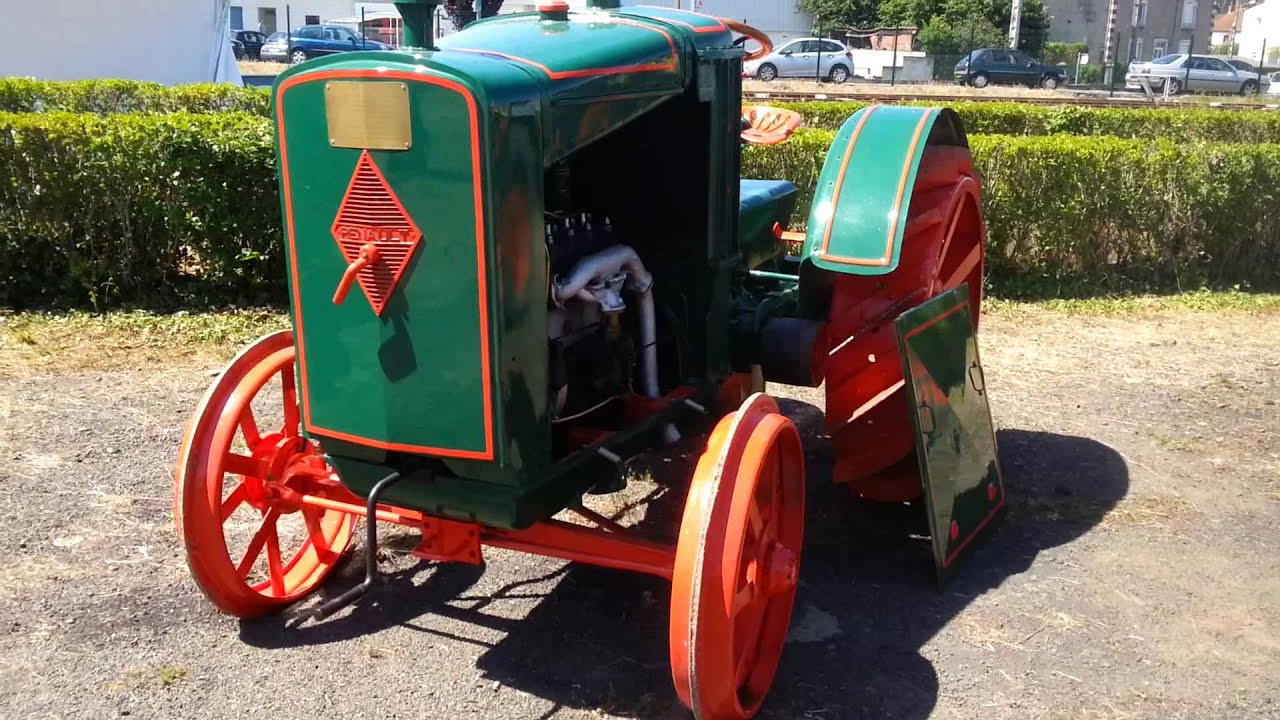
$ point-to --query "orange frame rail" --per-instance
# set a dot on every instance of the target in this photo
(608, 544)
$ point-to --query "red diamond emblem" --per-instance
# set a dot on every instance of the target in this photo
(371, 213)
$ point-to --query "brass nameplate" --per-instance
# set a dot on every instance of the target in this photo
(370, 115)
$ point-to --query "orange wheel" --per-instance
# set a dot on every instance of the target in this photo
(942, 248)
(737, 562)
(240, 471)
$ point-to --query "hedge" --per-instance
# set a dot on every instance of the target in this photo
(128, 96)
(1011, 118)
(980, 118)
(1071, 214)
(162, 210)
(138, 209)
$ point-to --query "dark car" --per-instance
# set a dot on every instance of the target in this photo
(237, 48)
(310, 41)
(1006, 67)
(252, 40)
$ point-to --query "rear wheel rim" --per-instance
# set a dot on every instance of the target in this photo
(298, 56)
(215, 482)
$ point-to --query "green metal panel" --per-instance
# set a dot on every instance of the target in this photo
(955, 438)
(382, 380)
(859, 208)
(591, 54)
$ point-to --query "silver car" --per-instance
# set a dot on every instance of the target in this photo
(1190, 73)
(803, 58)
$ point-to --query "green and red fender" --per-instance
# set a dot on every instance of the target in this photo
(896, 220)
(868, 185)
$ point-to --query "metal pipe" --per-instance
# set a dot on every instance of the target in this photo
(370, 553)
(600, 266)
(558, 539)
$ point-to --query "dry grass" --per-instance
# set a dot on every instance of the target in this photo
(35, 342)
(261, 67)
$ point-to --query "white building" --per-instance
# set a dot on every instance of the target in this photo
(167, 41)
(780, 20)
(1259, 29)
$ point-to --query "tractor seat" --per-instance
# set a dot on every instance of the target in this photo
(765, 125)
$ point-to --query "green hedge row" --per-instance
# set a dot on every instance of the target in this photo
(183, 208)
(1011, 118)
(128, 96)
(980, 118)
(150, 209)
(1068, 215)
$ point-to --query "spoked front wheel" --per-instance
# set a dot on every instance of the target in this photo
(241, 471)
(737, 562)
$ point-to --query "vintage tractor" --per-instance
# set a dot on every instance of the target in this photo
(522, 257)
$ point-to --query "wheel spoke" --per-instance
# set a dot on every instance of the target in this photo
(755, 521)
(743, 599)
(234, 500)
(249, 426)
(962, 270)
(746, 661)
(290, 401)
(244, 465)
(251, 553)
(275, 568)
(315, 531)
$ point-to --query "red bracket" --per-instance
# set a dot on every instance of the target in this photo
(449, 541)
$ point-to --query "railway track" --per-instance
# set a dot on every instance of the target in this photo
(1067, 98)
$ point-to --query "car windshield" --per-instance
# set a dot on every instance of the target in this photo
(1166, 60)
(276, 37)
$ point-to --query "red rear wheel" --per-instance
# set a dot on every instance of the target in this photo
(942, 248)
(737, 562)
(240, 471)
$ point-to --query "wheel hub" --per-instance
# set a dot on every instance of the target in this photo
(293, 464)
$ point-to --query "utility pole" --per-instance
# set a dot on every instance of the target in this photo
(1015, 23)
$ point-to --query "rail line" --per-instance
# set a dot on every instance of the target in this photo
(1065, 99)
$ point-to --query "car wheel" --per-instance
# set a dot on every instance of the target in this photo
(839, 74)
(1050, 82)
(1249, 87)
(767, 73)
(1175, 86)
(298, 56)
(981, 80)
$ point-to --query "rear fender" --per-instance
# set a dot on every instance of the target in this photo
(859, 211)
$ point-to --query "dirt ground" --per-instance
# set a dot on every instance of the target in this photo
(1136, 575)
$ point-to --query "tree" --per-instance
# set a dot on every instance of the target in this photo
(1033, 31)
(940, 36)
(896, 13)
(463, 12)
(947, 23)
(841, 13)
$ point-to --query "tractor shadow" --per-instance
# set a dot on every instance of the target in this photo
(867, 602)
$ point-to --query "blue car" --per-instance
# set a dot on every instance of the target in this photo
(310, 41)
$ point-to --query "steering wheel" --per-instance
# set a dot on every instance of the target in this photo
(766, 46)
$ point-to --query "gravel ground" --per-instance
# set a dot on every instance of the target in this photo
(1135, 576)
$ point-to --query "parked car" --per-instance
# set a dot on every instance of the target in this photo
(800, 58)
(310, 41)
(1274, 88)
(1002, 66)
(1190, 73)
(1247, 70)
(252, 40)
(237, 48)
